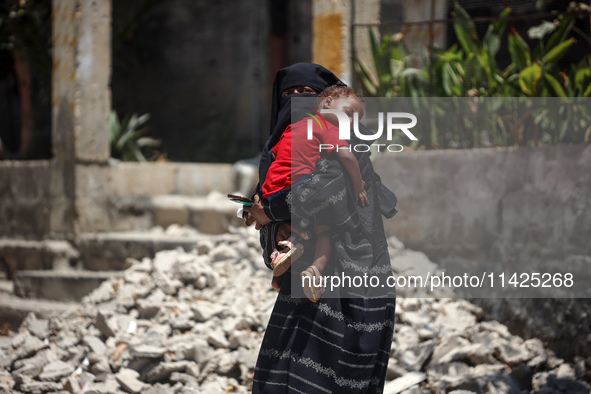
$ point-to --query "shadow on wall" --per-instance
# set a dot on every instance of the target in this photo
(202, 70)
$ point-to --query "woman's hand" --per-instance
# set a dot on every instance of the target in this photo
(283, 232)
(257, 213)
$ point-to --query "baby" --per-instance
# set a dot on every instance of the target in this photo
(295, 161)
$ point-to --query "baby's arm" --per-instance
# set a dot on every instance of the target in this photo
(350, 163)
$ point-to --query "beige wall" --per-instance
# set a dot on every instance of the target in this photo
(106, 196)
(512, 202)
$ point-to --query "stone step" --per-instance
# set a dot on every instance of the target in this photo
(213, 214)
(14, 309)
(106, 251)
(59, 285)
(18, 254)
(109, 251)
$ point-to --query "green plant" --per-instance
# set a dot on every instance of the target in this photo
(393, 76)
(469, 68)
(127, 137)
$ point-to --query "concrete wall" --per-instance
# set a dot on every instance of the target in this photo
(454, 202)
(108, 197)
(24, 198)
(421, 36)
(200, 68)
(498, 203)
(189, 179)
(119, 197)
(469, 203)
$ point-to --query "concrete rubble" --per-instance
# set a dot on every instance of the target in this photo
(192, 322)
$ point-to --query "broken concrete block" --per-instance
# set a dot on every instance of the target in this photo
(405, 382)
(37, 327)
(56, 370)
(148, 309)
(163, 370)
(218, 339)
(95, 344)
(510, 353)
(136, 277)
(416, 318)
(103, 293)
(227, 363)
(406, 336)
(165, 283)
(447, 344)
(7, 382)
(184, 378)
(71, 384)
(99, 366)
(205, 310)
(147, 351)
(28, 346)
(536, 348)
(128, 380)
(40, 387)
(473, 353)
(412, 358)
(34, 365)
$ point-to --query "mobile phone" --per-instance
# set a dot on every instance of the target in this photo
(247, 202)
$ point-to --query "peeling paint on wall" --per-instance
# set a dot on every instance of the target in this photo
(327, 30)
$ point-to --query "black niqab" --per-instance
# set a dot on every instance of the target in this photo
(299, 74)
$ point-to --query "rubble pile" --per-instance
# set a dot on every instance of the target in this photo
(192, 322)
(442, 345)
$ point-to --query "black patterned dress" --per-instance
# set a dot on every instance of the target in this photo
(340, 344)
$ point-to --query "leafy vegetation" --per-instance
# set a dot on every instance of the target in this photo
(25, 44)
(470, 69)
(128, 142)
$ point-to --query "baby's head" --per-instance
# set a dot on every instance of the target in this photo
(341, 98)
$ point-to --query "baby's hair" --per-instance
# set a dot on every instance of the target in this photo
(337, 91)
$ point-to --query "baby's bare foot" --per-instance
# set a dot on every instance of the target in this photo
(276, 282)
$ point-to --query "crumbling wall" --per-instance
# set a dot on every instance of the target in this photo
(24, 201)
(107, 197)
(510, 203)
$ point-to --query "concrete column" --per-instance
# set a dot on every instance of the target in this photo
(364, 11)
(420, 36)
(332, 44)
(81, 99)
(81, 78)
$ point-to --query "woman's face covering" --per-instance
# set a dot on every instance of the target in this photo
(297, 80)
(297, 89)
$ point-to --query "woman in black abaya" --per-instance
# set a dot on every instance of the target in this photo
(342, 343)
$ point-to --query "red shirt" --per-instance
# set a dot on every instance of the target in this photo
(291, 164)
